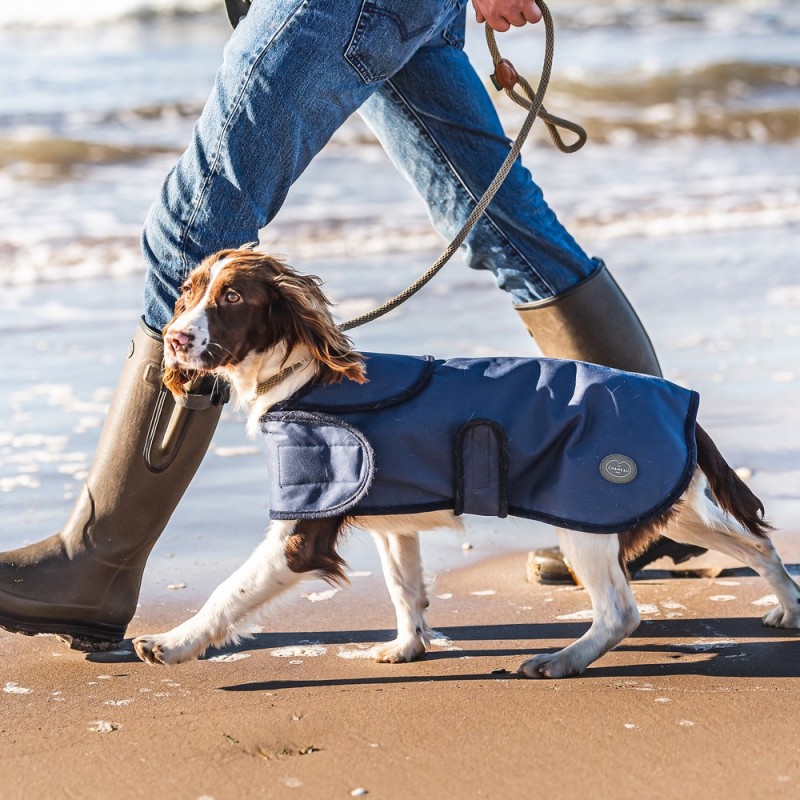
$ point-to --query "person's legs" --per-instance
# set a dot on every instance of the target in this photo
(438, 125)
(293, 71)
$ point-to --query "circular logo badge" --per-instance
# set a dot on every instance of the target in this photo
(618, 468)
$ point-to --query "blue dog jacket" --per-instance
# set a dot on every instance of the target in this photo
(574, 444)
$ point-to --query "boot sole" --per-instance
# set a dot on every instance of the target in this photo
(81, 636)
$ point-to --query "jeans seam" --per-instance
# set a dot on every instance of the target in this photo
(228, 121)
(351, 57)
(456, 42)
(446, 161)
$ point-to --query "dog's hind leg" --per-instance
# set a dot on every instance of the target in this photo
(264, 576)
(699, 521)
(402, 569)
(595, 559)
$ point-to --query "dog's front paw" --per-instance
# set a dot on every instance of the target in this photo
(550, 665)
(780, 617)
(398, 651)
(165, 648)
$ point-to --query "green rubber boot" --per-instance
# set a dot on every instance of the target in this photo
(594, 322)
(83, 582)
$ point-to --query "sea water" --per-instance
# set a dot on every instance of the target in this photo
(689, 188)
(692, 106)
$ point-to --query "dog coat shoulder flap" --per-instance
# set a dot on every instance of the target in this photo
(320, 465)
(574, 444)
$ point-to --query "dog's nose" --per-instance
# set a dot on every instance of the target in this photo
(177, 340)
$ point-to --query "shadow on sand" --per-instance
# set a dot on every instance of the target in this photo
(736, 647)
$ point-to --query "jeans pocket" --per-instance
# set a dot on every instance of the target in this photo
(387, 33)
(453, 33)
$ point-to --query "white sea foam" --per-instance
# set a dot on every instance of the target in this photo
(586, 613)
(706, 645)
(23, 481)
(103, 726)
(79, 13)
(766, 600)
(788, 296)
(295, 651)
(227, 658)
(317, 597)
(583, 614)
(14, 688)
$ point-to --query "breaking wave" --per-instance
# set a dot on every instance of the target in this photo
(731, 81)
(728, 100)
(87, 13)
(666, 122)
(47, 157)
(746, 15)
(733, 101)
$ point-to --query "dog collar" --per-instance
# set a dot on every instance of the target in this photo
(277, 380)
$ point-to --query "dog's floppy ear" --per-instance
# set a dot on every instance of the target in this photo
(310, 323)
(177, 382)
(174, 379)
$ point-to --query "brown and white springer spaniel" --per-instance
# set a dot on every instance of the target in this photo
(248, 318)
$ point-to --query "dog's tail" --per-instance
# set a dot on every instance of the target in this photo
(730, 491)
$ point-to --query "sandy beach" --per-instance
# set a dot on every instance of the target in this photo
(701, 702)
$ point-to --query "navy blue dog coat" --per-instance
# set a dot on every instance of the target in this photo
(577, 445)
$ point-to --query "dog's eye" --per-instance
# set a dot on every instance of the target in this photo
(232, 296)
(186, 290)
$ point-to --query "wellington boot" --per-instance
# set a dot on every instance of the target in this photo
(83, 583)
(595, 322)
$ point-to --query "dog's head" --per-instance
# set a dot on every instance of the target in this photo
(242, 302)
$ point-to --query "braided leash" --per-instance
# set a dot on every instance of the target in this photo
(505, 77)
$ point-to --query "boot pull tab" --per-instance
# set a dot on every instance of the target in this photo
(171, 420)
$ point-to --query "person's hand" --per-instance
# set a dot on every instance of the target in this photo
(500, 15)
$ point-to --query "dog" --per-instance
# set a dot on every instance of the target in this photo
(266, 330)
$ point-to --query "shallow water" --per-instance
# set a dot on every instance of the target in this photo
(689, 189)
(703, 97)
(737, 342)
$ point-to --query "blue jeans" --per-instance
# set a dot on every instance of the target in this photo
(292, 72)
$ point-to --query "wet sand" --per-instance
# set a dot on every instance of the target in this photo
(701, 702)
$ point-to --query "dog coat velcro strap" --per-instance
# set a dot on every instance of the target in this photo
(574, 444)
